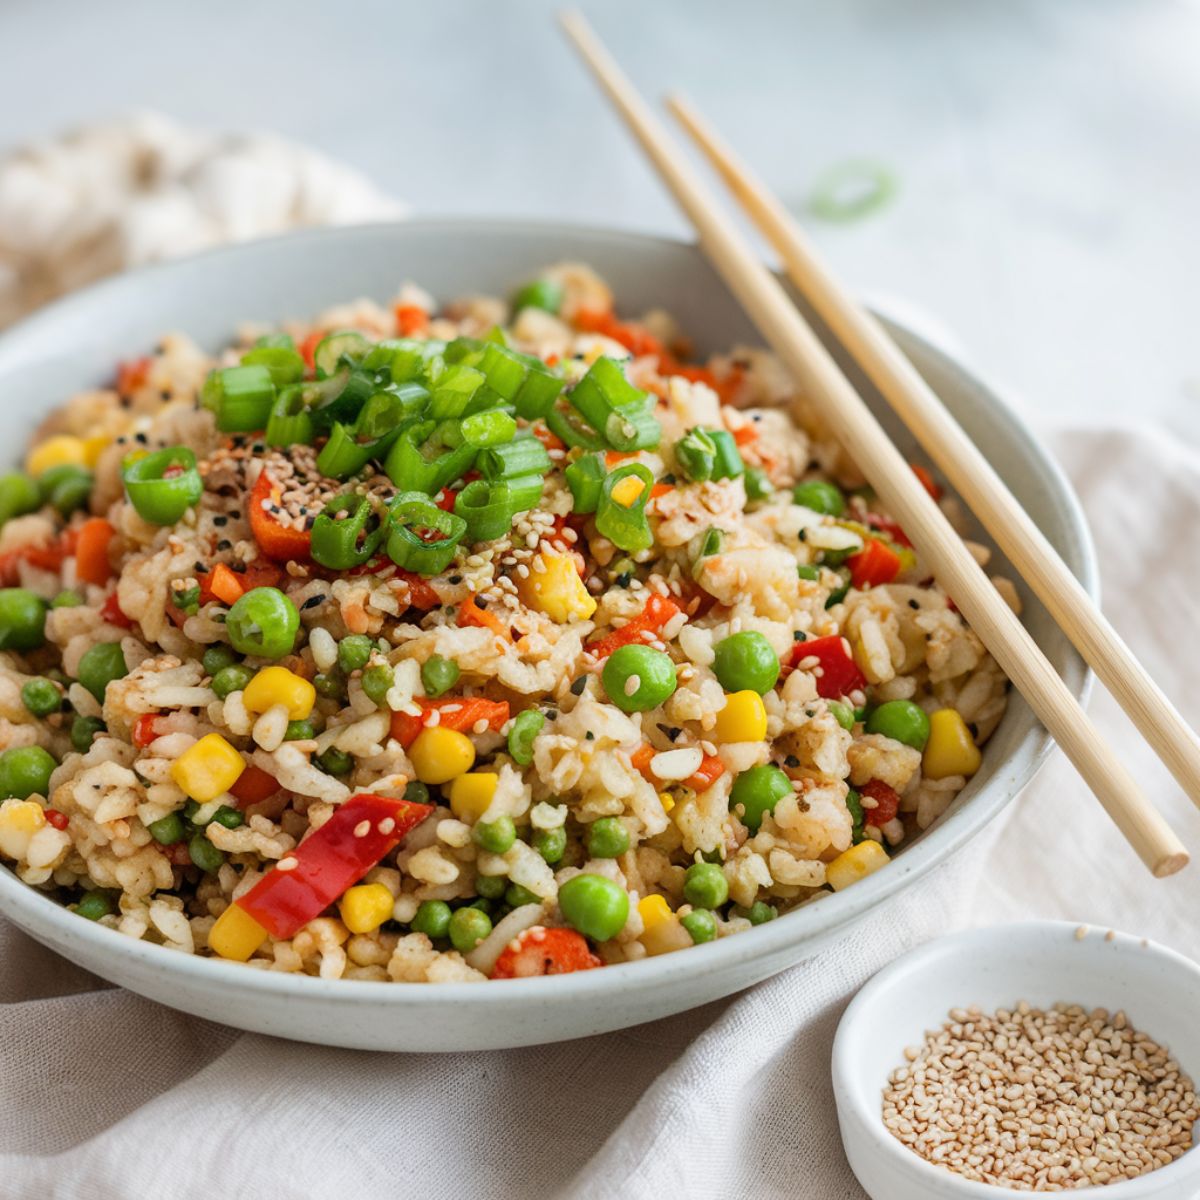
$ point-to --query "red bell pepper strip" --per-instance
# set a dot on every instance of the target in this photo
(143, 730)
(132, 374)
(838, 673)
(112, 612)
(876, 563)
(44, 557)
(927, 481)
(58, 819)
(465, 712)
(658, 611)
(253, 786)
(360, 832)
(887, 802)
(283, 543)
(542, 951)
(308, 347)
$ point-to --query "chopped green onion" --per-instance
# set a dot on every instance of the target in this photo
(696, 455)
(162, 486)
(241, 397)
(453, 390)
(417, 464)
(386, 411)
(729, 463)
(464, 349)
(711, 542)
(625, 525)
(333, 347)
(546, 294)
(539, 391)
(411, 512)
(342, 456)
(341, 397)
(488, 507)
(523, 456)
(850, 191)
(275, 341)
(491, 428)
(504, 370)
(585, 478)
(614, 408)
(284, 363)
(347, 532)
(289, 423)
(525, 728)
(569, 427)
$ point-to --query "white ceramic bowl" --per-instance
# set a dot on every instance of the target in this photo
(1043, 962)
(76, 342)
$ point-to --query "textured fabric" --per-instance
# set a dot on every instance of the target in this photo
(105, 1095)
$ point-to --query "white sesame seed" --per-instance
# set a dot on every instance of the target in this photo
(362, 829)
(386, 826)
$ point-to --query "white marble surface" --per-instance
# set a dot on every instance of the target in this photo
(1048, 153)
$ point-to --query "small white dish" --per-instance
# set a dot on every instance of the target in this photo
(1043, 962)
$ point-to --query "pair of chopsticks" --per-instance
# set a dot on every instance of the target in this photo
(849, 419)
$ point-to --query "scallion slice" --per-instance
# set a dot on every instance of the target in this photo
(522, 456)
(240, 396)
(585, 478)
(289, 423)
(420, 536)
(333, 347)
(625, 524)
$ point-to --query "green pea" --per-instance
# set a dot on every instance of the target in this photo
(515, 896)
(100, 666)
(229, 818)
(551, 844)
(705, 885)
(468, 927)
(758, 486)
(432, 918)
(439, 675)
(335, 762)
(638, 678)
(216, 658)
(83, 732)
(546, 294)
(204, 854)
(490, 887)
(594, 906)
(901, 720)
(758, 913)
(67, 487)
(67, 599)
(700, 924)
(41, 697)
(18, 495)
(820, 496)
(263, 622)
(331, 686)
(607, 838)
(94, 905)
(756, 792)
(167, 830)
(525, 727)
(22, 619)
(377, 682)
(843, 714)
(25, 771)
(746, 661)
(417, 792)
(299, 731)
(496, 837)
(231, 679)
(354, 652)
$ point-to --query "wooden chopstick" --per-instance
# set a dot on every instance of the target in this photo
(985, 493)
(853, 424)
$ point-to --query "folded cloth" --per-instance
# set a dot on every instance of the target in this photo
(107, 1095)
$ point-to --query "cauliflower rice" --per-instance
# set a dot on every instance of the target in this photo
(706, 678)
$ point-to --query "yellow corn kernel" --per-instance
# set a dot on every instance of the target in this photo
(662, 930)
(93, 447)
(366, 907)
(951, 749)
(743, 719)
(208, 769)
(626, 491)
(62, 450)
(236, 934)
(19, 821)
(666, 800)
(553, 587)
(439, 755)
(278, 685)
(854, 864)
(471, 795)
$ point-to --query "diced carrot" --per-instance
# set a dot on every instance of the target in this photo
(132, 374)
(710, 770)
(221, 583)
(548, 439)
(308, 347)
(420, 594)
(411, 320)
(660, 489)
(470, 613)
(91, 551)
(112, 612)
(639, 760)
(614, 458)
(542, 951)
(725, 387)
(633, 336)
(253, 786)
(658, 611)
(876, 563)
(745, 435)
(927, 480)
(464, 713)
(143, 730)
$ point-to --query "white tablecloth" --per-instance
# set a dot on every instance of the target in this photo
(104, 1095)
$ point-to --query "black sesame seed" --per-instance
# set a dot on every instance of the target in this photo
(810, 713)
(668, 477)
(165, 394)
(198, 568)
(551, 714)
(454, 579)
(913, 604)
(791, 761)
(240, 568)
(224, 544)
(480, 602)
(220, 520)
(141, 437)
(799, 636)
(802, 535)
(578, 685)
(624, 579)
(313, 601)
(590, 736)
(258, 447)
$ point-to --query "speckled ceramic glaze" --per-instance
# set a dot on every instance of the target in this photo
(299, 275)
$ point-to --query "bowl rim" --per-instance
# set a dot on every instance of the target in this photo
(26, 903)
(1002, 940)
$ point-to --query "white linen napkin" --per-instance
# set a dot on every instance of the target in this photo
(106, 1095)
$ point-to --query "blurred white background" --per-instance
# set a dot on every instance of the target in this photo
(1048, 154)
